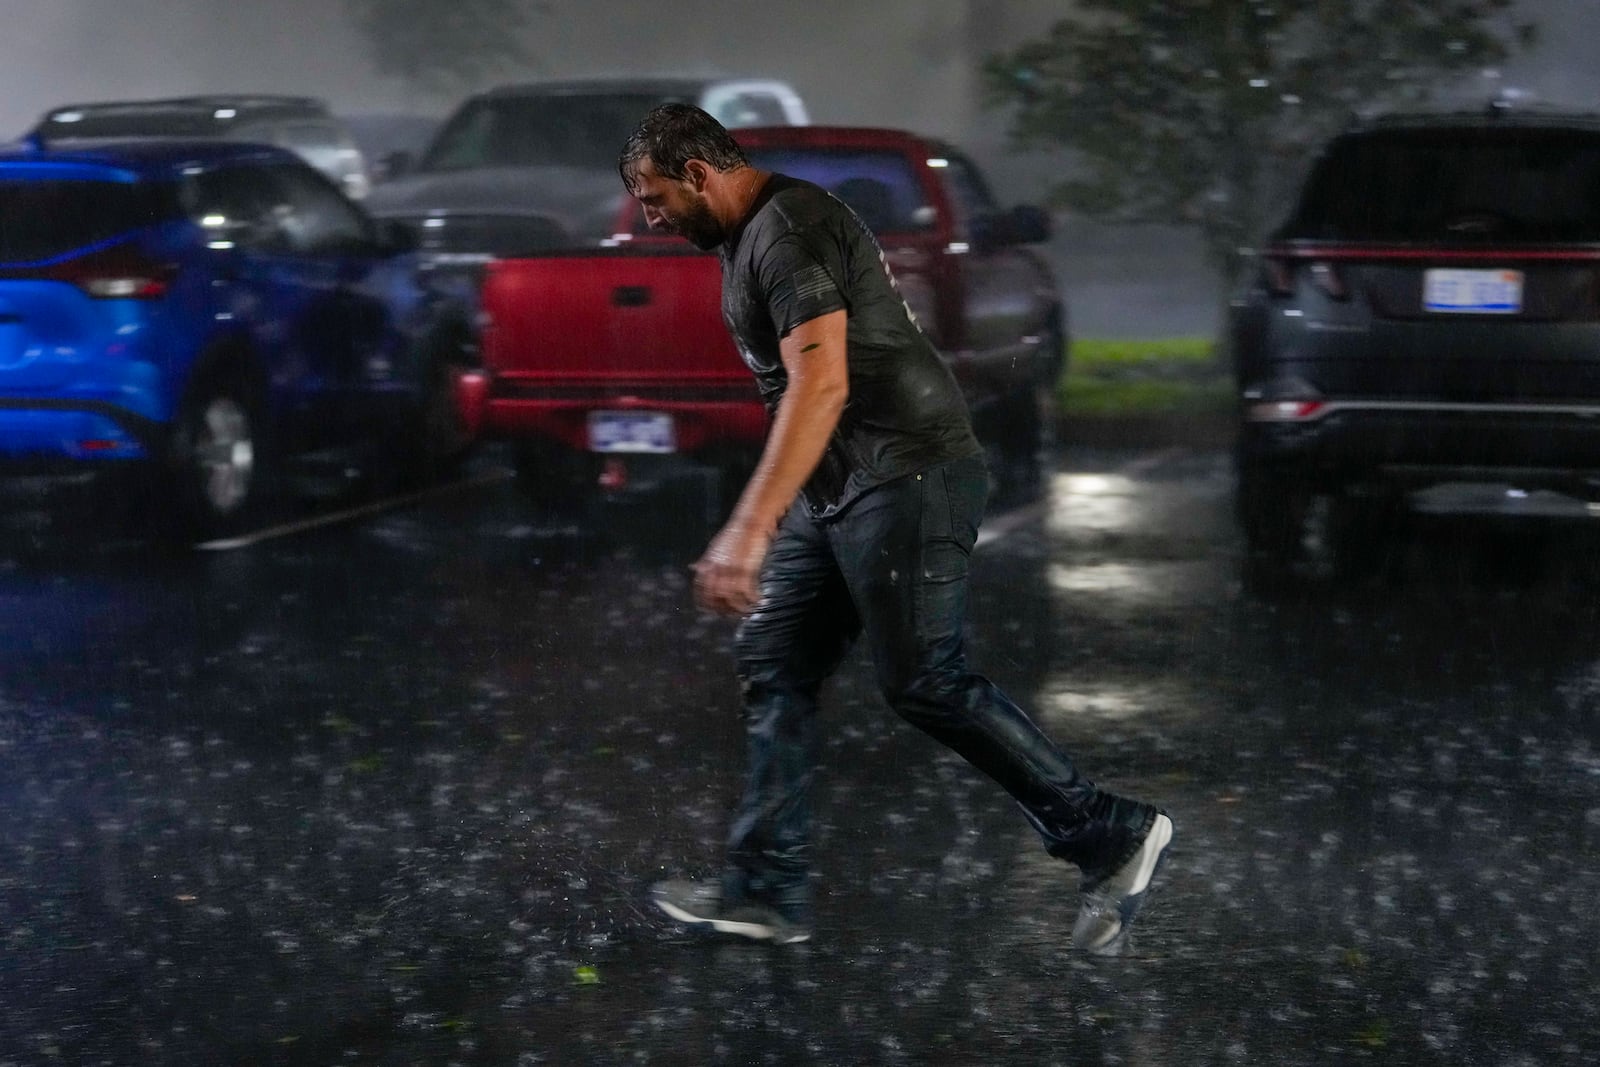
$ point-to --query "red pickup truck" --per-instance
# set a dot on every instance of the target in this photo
(610, 367)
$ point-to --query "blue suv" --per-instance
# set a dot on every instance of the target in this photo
(209, 313)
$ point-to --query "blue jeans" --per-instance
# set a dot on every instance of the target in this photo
(893, 566)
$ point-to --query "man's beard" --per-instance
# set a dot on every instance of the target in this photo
(699, 226)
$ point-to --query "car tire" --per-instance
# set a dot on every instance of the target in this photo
(1272, 508)
(218, 465)
(554, 478)
(1019, 440)
(1366, 536)
(438, 439)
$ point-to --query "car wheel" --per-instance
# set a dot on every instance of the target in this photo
(1019, 437)
(1272, 509)
(1366, 536)
(218, 459)
(437, 438)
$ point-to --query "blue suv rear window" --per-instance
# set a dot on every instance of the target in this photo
(881, 187)
(1455, 186)
(43, 219)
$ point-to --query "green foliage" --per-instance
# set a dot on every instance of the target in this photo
(445, 45)
(1097, 356)
(1205, 112)
(1169, 376)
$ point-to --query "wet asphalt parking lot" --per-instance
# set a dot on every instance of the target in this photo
(391, 790)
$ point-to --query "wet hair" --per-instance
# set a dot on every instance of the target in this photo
(673, 134)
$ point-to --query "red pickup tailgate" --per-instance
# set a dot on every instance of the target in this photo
(626, 331)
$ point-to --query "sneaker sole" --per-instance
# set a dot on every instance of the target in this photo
(1150, 863)
(754, 931)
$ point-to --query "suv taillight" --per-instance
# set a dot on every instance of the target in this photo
(1285, 410)
(1279, 276)
(117, 273)
(1330, 280)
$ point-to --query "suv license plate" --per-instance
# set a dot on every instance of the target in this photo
(1477, 292)
(631, 431)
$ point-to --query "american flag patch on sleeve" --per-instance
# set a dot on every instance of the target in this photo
(810, 283)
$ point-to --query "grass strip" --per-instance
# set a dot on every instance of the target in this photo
(1165, 376)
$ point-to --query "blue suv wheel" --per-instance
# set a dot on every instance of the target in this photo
(221, 473)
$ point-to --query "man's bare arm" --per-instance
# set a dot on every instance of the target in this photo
(813, 354)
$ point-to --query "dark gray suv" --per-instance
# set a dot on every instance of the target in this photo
(1427, 317)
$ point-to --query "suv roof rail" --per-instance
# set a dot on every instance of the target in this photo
(1497, 110)
(220, 109)
(212, 101)
(249, 100)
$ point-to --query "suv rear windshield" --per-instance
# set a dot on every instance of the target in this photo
(43, 219)
(1468, 185)
(563, 130)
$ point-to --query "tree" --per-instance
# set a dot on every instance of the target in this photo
(445, 46)
(1204, 112)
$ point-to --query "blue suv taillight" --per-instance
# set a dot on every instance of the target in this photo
(121, 272)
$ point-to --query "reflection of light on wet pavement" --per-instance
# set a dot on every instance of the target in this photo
(1096, 484)
(1091, 502)
(1101, 578)
(1163, 582)
(1133, 711)
(1066, 699)
(1095, 517)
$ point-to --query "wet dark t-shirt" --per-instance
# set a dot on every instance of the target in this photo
(801, 254)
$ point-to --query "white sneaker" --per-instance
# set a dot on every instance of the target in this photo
(1108, 909)
(701, 903)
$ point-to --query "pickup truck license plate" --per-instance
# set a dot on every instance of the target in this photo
(631, 431)
(1478, 292)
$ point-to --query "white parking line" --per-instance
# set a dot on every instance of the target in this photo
(1000, 526)
(227, 544)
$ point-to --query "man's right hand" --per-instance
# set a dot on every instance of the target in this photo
(727, 578)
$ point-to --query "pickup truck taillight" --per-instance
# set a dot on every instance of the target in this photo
(117, 273)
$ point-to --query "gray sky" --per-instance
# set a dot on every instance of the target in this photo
(901, 62)
(895, 62)
(1563, 67)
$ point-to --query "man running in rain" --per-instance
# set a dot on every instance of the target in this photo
(859, 520)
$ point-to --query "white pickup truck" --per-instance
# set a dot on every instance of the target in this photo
(523, 169)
